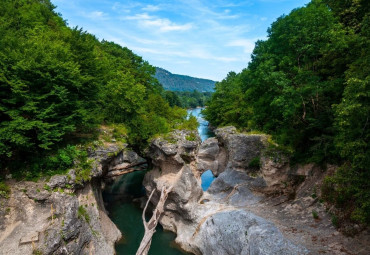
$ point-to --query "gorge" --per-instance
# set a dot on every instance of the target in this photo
(249, 208)
(91, 132)
(125, 210)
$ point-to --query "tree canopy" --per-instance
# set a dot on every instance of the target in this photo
(308, 86)
(56, 81)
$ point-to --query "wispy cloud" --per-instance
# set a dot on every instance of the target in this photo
(246, 44)
(126, 7)
(97, 15)
(162, 24)
(192, 53)
(151, 8)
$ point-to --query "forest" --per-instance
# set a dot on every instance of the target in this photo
(59, 83)
(187, 99)
(308, 86)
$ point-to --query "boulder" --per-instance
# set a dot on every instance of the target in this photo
(242, 232)
(241, 148)
(235, 188)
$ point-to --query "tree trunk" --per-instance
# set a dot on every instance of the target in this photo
(152, 223)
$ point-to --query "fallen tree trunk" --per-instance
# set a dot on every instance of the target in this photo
(153, 222)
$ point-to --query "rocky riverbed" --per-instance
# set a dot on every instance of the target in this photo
(250, 208)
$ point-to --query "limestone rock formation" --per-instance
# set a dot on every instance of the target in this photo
(64, 215)
(174, 165)
(241, 148)
(211, 156)
(217, 221)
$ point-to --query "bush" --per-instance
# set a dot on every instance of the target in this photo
(255, 163)
(315, 215)
(4, 190)
(346, 189)
(83, 167)
(189, 124)
(37, 165)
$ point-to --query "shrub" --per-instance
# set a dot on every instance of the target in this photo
(315, 215)
(255, 163)
(4, 190)
(191, 137)
(83, 167)
(190, 124)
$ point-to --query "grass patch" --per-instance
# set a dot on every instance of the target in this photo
(169, 138)
(335, 221)
(4, 190)
(315, 215)
(36, 252)
(191, 137)
(82, 214)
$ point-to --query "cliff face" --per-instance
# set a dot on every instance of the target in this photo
(63, 215)
(214, 222)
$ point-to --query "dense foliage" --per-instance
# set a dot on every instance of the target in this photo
(58, 83)
(186, 99)
(308, 86)
(176, 82)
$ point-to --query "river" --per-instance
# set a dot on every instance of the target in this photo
(125, 212)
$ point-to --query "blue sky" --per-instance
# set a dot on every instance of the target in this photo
(200, 38)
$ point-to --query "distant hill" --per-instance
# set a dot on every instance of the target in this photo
(176, 82)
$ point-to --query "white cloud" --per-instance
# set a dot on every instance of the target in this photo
(126, 7)
(97, 15)
(162, 24)
(139, 16)
(247, 44)
(151, 8)
(165, 25)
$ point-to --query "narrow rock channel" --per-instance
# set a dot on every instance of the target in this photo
(122, 200)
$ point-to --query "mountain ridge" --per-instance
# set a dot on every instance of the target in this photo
(178, 82)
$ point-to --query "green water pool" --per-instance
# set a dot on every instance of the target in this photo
(126, 214)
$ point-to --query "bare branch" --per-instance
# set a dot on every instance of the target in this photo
(152, 223)
(146, 206)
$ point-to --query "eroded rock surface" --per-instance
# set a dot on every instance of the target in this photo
(211, 156)
(241, 232)
(261, 208)
(241, 148)
(65, 215)
(214, 222)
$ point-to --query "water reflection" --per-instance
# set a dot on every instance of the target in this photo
(207, 178)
